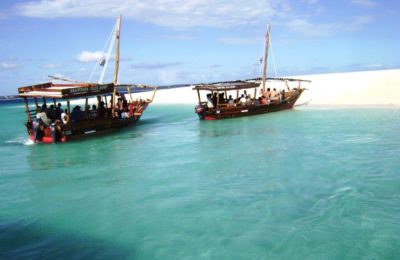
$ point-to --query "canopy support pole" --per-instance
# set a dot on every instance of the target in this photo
(154, 94)
(198, 95)
(37, 105)
(27, 109)
(130, 94)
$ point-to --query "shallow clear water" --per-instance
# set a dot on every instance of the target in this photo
(319, 183)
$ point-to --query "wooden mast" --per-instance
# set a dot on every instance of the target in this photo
(266, 58)
(116, 67)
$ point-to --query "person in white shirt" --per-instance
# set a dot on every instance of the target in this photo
(231, 103)
(41, 115)
(65, 117)
(209, 101)
(248, 100)
(274, 95)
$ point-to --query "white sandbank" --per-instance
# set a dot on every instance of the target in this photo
(351, 88)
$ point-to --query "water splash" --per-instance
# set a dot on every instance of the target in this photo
(20, 141)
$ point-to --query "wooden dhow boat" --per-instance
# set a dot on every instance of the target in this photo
(239, 98)
(219, 104)
(49, 123)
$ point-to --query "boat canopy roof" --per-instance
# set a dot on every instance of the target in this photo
(65, 91)
(239, 84)
(280, 79)
(72, 90)
(227, 86)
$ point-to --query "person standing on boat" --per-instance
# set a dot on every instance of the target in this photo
(42, 117)
(102, 110)
(274, 95)
(267, 93)
(51, 113)
(65, 117)
(77, 114)
(231, 103)
(93, 112)
(59, 111)
(214, 99)
(120, 107)
(210, 103)
(242, 100)
(249, 101)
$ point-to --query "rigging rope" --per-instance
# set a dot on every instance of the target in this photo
(103, 51)
(110, 47)
(273, 56)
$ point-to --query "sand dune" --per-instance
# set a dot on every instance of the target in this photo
(351, 88)
(354, 88)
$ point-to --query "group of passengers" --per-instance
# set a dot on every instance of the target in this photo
(57, 116)
(91, 112)
(243, 100)
(270, 96)
(267, 97)
(47, 115)
(123, 109)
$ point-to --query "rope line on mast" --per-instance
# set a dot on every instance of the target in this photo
(110, 47)
(102, 52)
(273, 56)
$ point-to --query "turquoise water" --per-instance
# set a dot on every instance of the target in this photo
(311, 183)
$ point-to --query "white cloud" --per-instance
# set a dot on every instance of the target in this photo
(239, 40)
(179, 37)
(87, 56)
(167, 13)
(200, 13)
(310, 2)
(52, 66)
(363, 3)
(8, 66)
(359, 22)
(308, 28)
(154, 65)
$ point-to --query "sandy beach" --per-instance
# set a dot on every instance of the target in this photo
(351, 88)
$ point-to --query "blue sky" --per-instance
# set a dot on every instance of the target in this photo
(170, 41)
